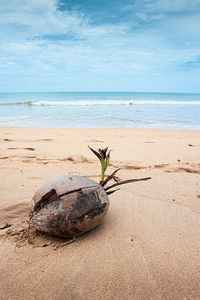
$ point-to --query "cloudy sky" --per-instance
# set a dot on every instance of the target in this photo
(100, 45)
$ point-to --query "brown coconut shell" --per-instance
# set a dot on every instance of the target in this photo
(68, 205)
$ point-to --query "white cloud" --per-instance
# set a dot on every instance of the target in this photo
(30, 47)
(166, 5)
(35, 18)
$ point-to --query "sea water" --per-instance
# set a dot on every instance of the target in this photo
(101, 109)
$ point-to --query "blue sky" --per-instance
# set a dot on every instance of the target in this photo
(90, 45)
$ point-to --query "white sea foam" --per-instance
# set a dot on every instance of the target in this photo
(104, 102)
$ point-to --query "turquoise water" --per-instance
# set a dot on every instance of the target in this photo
(101, 109)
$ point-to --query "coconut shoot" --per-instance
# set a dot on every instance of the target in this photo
(104, 157)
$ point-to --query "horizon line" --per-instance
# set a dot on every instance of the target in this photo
(152, 92)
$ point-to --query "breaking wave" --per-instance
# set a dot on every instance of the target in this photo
(102, 102)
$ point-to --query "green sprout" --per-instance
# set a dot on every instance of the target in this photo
(104, 158)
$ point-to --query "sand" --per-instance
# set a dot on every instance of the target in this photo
(148, 245)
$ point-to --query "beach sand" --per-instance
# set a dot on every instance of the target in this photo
(147, 247)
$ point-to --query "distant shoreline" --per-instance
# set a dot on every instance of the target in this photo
(154, 130)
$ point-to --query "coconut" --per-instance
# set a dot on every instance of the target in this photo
(68, 205)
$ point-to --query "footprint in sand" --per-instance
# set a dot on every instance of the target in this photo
(26, 148)
(131, 167)
(96, 141)
(193, 168)
(187, 170)
(160, 166)
(44, 140)
(77, 159)
(29, 148)
(28, 159)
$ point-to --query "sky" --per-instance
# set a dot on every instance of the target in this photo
(100, 45)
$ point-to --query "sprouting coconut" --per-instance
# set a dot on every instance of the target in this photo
(70, 205)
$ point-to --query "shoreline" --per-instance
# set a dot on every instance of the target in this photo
(102, 110)
(148, 244)
(100, 128)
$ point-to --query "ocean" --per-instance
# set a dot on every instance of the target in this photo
(101, 110)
